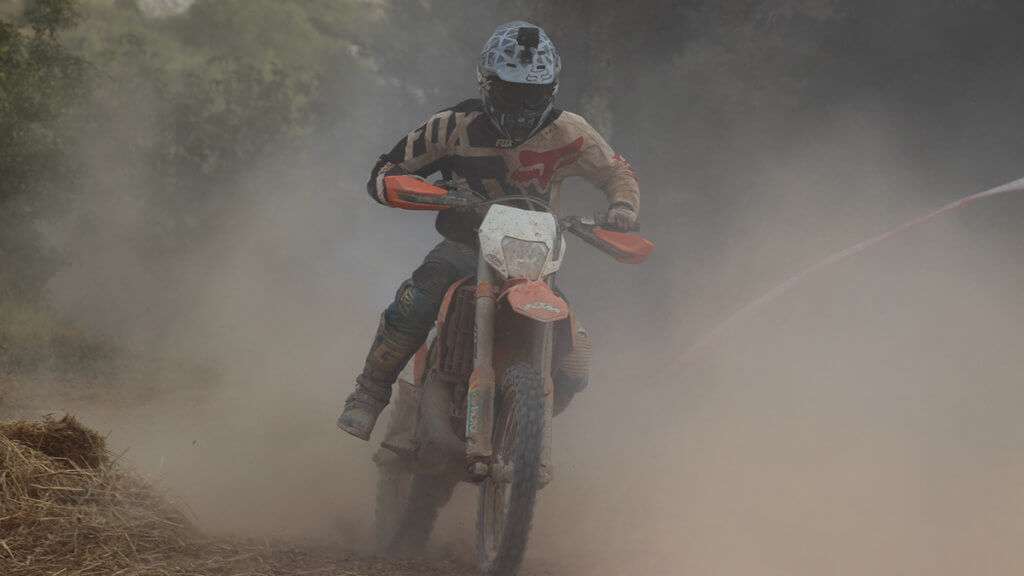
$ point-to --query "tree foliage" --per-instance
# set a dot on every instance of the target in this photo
(196, 100)
(41, 85)
(101, 107)
(99, 100)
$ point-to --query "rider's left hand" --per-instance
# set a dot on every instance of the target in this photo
(622, 216)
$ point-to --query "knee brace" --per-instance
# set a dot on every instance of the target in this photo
(414, 309)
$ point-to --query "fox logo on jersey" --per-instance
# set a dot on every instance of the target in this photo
(541, 166)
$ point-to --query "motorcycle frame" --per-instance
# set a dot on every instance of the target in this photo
(404, 191)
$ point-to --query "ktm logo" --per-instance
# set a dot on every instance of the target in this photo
(542, 306)
(541, 166)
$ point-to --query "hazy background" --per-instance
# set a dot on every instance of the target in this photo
(214, 237)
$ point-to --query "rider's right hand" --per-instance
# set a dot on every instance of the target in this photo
(621, 216)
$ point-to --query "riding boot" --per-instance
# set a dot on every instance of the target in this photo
(390, 351)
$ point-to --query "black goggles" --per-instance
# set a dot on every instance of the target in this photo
(512, 96)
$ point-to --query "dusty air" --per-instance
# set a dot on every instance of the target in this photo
(511, 287)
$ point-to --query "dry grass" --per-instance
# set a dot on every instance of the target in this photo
(68, 509)
(63, 439)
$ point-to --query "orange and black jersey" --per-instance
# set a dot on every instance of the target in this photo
(461, 143)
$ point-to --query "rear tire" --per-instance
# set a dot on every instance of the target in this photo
(392, 496)
(505, 506)
(407, 508)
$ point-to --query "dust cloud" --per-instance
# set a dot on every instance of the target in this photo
(244, 343)
(274, 313)
(868, 422)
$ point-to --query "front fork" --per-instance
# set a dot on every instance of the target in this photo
(480, 406)
(480, 397)
(544, 346)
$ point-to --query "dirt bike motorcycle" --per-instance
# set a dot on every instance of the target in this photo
(479, 405)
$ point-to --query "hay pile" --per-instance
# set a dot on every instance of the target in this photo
(66, 509)
(63, 439)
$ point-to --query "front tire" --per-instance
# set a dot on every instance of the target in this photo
(506, 501)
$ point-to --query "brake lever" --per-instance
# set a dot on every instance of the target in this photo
(587, 229)
(465, 191)
(600, 221)
(583, 228)
(453, 201)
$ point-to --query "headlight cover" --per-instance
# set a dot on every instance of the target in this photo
(524, 259)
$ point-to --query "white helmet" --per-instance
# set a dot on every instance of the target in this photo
(518, 77)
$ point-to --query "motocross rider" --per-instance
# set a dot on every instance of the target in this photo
(510, 141)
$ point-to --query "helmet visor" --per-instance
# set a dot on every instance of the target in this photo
(515, 97)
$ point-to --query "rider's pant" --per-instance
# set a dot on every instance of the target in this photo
(407, 321)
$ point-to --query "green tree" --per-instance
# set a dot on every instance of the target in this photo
(41, 84)
(213, 92)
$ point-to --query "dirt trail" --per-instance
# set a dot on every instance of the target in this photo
(69, 505)
(342, 551)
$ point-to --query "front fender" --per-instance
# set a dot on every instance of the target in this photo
(537, 301)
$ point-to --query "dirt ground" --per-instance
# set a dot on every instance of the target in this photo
(868, 422)
(337, 552)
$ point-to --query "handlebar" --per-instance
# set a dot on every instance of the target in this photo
(622, 245)
(417, 194)
(469, 199)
